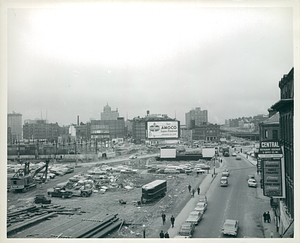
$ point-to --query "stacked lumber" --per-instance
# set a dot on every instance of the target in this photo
(94, 227)
(29, 216)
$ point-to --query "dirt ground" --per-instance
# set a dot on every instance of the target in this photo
(98, 204)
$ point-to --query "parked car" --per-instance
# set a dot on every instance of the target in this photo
(187, 229)
(202, 198)
(230, 227)
(128, 171)
(152, 170)
(171, 171)
(198, 170)
(194, 217)
(233, 154)
(188, 171)
(252, 183)
(59, 192)
(201, 207)
(250, 177)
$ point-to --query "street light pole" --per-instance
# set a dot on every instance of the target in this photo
(144, 231)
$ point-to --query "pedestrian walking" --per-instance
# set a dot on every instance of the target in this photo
(189, 188)
(172, 221)
(167, 235)
(268, 217)
(161, 234)
(163, 218)
(198, 189)
(265, 216)
(193, 192)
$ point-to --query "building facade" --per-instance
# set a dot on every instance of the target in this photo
(14, 123)
(196, 117)
(269, 129)
(206, 132)
(40, 129)
(108, 114)
(108, 129)
(285, 107)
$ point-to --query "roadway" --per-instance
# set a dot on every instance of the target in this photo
(237, 201)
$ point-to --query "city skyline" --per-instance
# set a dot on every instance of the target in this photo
(225, 60)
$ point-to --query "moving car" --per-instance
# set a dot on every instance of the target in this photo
(187, 229)
(132, 157)
(233, 154)
(225, 173)
(224, 181)
(230, 227)
(201, 207)
(250, 177)
(194, 217)
(252, 183)
(238, 158)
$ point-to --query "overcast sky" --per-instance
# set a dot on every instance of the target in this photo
(168, 59)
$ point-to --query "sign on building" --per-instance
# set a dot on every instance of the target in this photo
(162, 129)
(271, 162)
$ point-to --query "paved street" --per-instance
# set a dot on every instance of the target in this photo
(237, 201)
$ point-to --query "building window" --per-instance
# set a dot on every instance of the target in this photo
(275, 134)
(266, 133)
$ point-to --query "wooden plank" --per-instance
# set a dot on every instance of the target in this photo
(27, 223)
(92, 226)
(107, 230)
(99, 229)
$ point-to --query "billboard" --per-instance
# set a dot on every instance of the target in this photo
(168, 153)
(162, 129)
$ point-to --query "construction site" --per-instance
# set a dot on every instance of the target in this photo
(98, 199)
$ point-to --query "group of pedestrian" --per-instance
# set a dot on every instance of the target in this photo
(193, 190)
(164, 235)
(172, 219)
(267, 217)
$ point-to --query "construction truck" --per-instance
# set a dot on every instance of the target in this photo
(23, 180)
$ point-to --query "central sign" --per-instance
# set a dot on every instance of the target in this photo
(270, 157)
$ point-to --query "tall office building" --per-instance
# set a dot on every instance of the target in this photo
(196, 117)
(108, 114)
(14, 122)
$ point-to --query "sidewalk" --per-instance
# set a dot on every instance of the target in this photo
(183, 215)
(268, 228)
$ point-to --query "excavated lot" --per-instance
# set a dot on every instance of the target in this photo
(99, 205)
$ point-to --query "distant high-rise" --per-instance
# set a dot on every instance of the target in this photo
(14, 122)
(108, 114)
(196, 117)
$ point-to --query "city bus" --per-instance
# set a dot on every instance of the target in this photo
(153, 190)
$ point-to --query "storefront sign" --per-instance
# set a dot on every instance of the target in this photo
(272, 177)
(270, 155)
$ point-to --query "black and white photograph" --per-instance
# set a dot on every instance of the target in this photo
(125, 120)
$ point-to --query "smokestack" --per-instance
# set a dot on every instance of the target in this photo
(77, 120)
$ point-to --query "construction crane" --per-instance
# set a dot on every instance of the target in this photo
(23, 180)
